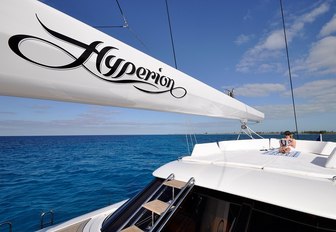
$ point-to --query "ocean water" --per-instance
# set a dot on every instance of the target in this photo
(73, 175)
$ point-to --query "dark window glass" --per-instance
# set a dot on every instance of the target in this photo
(300, 222)
(203, 213)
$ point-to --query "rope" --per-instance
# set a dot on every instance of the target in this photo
(289, 68)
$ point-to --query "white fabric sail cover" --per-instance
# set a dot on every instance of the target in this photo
(49, 55)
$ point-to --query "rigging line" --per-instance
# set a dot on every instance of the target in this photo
(138, 38)
(171, 34)
(122, 14)
(192, 142)
(125, 25)
(195, 138)
(289, 69)
(129, 28)
(188, 144)
(132, 32)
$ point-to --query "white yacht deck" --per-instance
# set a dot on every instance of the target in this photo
(302, 183)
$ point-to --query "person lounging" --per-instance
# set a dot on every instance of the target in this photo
(288, 143)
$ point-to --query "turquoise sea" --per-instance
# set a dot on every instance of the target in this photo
(73, 175)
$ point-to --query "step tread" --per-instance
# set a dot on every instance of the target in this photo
(156, 206)
(175, 183)
(132, 229)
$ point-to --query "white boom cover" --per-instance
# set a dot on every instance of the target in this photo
(49, 55)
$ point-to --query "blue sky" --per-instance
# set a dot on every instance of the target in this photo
(226, 44)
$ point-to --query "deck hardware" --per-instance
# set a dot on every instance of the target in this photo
(9, 224)
(51, 221)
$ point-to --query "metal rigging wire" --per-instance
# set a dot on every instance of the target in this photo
(122, 14)
(125, 25)
(171, 34)
(190, 138)
(114, 26)
(289, 68)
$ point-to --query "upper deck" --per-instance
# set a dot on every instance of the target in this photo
(304, 181)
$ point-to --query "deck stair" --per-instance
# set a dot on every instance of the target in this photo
(159, 207)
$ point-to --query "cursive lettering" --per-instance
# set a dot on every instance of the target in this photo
(108, 66)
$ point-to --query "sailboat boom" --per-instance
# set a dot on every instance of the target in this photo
(43, 59)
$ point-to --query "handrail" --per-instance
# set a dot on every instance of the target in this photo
(183, 195)
(171, 176)
(51, 222)
(10, 227)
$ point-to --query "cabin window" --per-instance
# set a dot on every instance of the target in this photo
(263, 221)
(274, 220)
(200, 212)
(208, 210)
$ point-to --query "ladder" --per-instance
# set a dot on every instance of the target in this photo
(157, 209)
